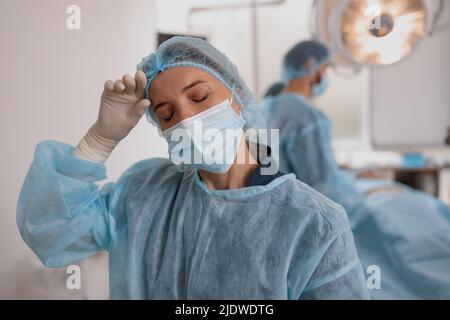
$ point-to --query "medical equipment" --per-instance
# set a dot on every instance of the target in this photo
(373, 32)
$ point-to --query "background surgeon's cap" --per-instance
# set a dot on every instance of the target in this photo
(295, 64)
(197, 53)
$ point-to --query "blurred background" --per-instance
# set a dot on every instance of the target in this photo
(389, 101)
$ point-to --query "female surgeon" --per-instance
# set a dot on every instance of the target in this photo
(403, 235)
(193, 230)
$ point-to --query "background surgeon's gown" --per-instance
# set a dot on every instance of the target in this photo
(169, 237)
(406, 234)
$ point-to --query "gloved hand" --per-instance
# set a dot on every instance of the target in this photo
(122, 105)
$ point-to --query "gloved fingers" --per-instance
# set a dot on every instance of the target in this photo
(109, 85)
(119, 87)
(129, 83)
(141, 106)
(141, 83)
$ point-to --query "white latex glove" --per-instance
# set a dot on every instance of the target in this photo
(122, 105)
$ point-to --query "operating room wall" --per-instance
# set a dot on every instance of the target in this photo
(411, 99)
(51, 82)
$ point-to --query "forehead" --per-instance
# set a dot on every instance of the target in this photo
(174, 80)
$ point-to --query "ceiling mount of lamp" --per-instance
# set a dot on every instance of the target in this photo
(373, 32)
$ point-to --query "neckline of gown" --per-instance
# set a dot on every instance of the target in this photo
(241, 193)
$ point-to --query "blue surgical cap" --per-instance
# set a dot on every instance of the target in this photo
(295, 64)
(194, 52)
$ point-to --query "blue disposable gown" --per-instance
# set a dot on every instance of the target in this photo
(305, 147)
(169, 237)
(406, 234)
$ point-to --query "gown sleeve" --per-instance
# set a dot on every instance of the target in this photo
(338, 275)
(62, 215)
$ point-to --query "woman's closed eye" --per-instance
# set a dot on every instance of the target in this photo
(198, 100)
(195, 97)
(165, 113)
(199, 95)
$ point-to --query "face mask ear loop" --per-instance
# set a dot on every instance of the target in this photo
(232, 96)
(232, 100)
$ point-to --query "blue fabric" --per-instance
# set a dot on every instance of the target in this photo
(197, 53)
(305, 148)
(170, 237)
(408, 236)
(405, 233)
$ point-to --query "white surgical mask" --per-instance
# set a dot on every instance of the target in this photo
(209, 140)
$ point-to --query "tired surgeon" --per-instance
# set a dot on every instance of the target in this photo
(402, 233)
(195, 230)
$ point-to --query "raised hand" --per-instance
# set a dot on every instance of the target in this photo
(122, 105)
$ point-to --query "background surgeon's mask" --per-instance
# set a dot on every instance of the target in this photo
(209, 140)
(319, 88)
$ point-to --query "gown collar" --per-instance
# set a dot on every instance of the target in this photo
(241, 193)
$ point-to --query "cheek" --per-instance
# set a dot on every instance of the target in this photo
(236, 107)
(164, 113)
(164, 126)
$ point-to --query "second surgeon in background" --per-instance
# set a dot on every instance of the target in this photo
(405, 233)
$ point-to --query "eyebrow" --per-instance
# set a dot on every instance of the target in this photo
(193, 84)
(190, 86)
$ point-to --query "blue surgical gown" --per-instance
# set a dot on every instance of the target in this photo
(170, 237)
(406, 234)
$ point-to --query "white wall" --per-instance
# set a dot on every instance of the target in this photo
(411, 99)
(50, 86)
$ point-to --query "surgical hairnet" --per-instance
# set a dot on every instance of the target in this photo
(295, 64)
(197, 53)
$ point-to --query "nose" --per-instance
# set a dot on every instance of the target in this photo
(184, 111)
